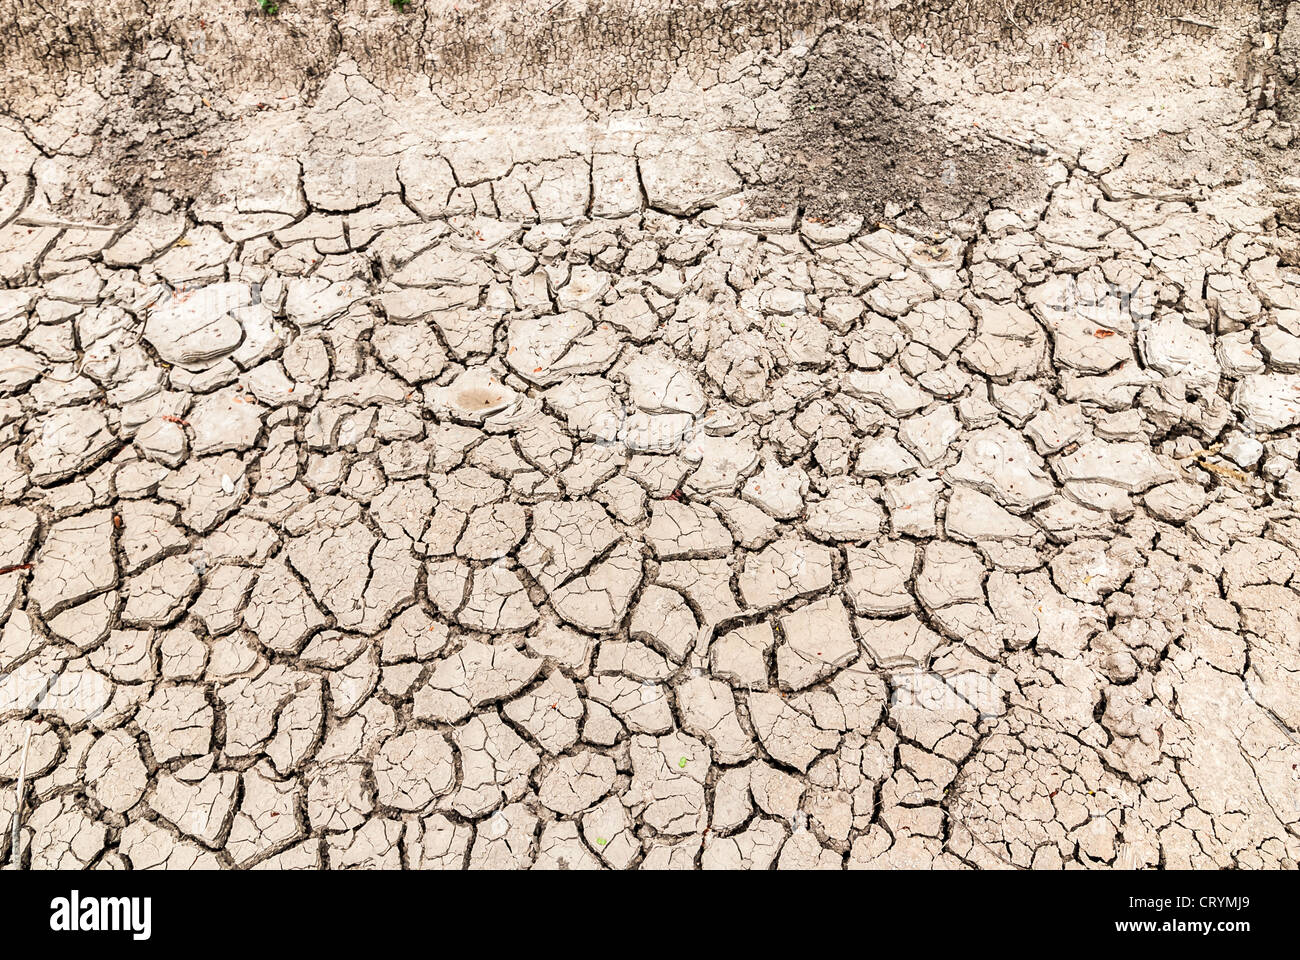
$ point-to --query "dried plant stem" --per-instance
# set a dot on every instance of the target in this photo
(18, 806)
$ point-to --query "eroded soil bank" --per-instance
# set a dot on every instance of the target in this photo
(610, 52)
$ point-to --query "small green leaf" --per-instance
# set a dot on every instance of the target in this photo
(682, 763)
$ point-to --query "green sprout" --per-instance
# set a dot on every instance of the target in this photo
(400, 4)
(269, 7)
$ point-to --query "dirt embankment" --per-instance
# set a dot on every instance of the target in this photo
(609, 52)
(150, 99)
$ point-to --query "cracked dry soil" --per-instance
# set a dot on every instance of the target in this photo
(870, 441)
(858, 141)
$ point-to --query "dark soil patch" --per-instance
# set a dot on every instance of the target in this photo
(858, 141)
(154, 130)
(158, 134)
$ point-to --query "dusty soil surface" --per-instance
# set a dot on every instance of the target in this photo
(633, 435)
(858, 141)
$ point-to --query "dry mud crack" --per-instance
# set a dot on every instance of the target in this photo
(633, 435)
